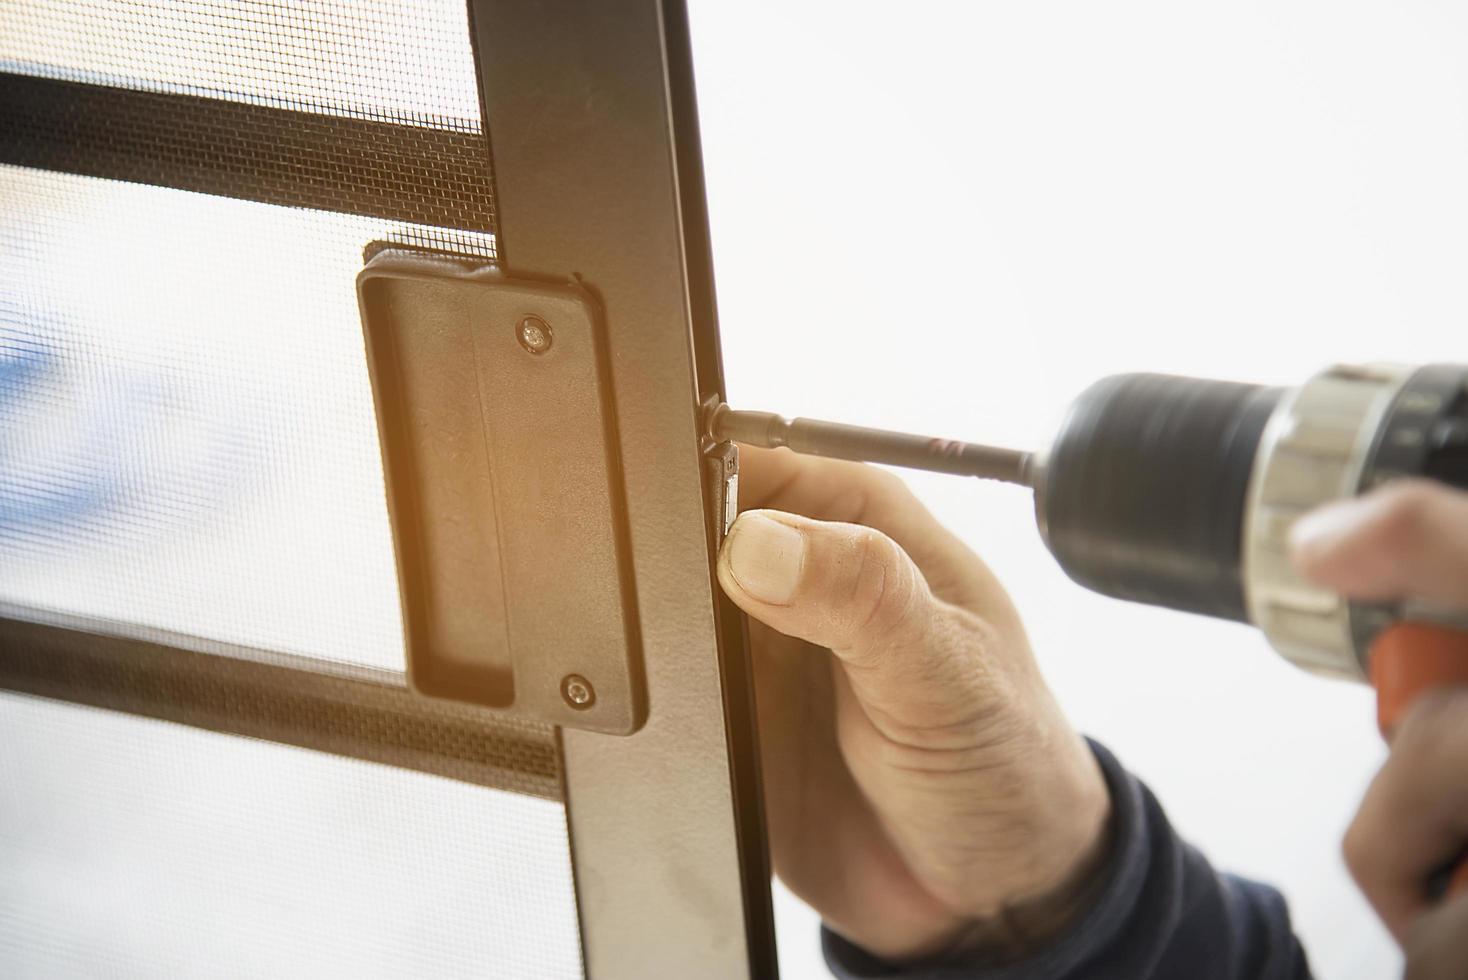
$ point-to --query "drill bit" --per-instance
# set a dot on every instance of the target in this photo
(840, 441)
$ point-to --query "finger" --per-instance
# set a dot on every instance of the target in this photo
(1405, 540)
(1415, 813)
(1437, 943)
(855, 493)
(853, 590)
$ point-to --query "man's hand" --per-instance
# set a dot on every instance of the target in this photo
(1408, 540)
(1414, 821)
(919, 776)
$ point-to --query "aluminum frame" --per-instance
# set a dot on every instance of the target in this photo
(357, 712)
(592, 123)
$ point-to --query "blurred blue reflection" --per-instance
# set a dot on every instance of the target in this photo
(43, 484)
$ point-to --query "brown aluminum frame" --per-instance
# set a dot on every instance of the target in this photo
(593, 125)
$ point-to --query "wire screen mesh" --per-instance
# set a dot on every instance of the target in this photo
(189, 450)
(188, 455)
(187, 439)
(135, 848)
(395, 60)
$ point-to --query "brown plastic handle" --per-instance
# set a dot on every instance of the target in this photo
(1406, 660)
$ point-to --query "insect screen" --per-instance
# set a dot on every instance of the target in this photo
(188, 456)
(135, 848)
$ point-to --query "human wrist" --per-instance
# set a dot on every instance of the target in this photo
(1082, 841)
(1024, 925)
(1062, 834)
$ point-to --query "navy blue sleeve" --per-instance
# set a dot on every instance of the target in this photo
(1161, 913)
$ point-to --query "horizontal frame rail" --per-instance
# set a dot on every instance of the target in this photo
(357, 718)
(398, 172)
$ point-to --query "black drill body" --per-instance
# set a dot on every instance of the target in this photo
(1142, 494)
(1144, 491)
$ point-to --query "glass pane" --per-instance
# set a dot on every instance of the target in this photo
(136, 848)
(188, 447)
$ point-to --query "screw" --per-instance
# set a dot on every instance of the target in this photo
(578, 692)
(534, 334)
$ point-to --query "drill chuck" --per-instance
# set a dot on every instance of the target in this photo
(1142, 493)
(1180, 492)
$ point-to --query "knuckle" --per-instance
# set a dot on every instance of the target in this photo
(1430, 743)
(888, 483)
(882, 589)
(1355, 847)
(1404, 517)
(864, 487)
(1431, 723)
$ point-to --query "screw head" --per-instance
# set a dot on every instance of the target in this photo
(534, 334)
(578, 692)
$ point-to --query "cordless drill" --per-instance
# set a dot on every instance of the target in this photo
(1181, 492)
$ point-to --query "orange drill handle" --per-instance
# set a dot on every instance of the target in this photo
(1409, 659)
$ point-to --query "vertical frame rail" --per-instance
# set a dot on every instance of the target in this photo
(593, 129)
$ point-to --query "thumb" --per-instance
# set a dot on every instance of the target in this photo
(1405, 540)
(854, 591)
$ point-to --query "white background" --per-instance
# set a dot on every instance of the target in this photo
(950, 218)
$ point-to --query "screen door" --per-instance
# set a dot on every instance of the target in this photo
(211, 763)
